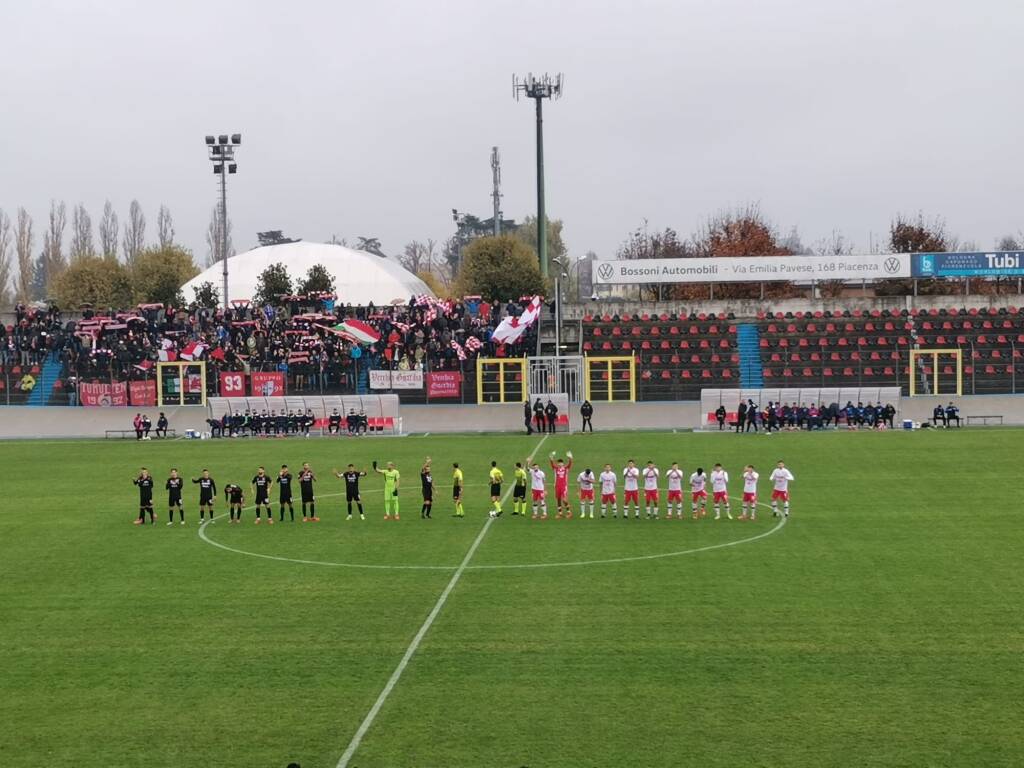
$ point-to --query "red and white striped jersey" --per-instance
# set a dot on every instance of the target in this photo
(697, 482)
(651, 478)
(608, 480)
(750, 482)
(586, 481)
(631, 478)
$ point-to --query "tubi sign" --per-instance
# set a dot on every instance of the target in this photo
(990, 264)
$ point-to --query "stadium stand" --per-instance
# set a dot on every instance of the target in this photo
(677, 355)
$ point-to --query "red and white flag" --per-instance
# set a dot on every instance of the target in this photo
(364, 333)
(167, 353)
(193, 350)
(511, 328)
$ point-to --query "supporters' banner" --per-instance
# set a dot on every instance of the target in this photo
(103, 393)
(444, 384)
(751, 269)
(994, 264)
(267, 384)
(232, 384)
(142, 393)
(396, 379)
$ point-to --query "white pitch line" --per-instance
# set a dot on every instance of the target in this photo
(357, 739)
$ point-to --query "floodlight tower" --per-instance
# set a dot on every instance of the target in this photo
(222, 154)
(496, 192)
(538, 89)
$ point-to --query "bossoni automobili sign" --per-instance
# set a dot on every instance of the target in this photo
(991, 264)
(754, 269)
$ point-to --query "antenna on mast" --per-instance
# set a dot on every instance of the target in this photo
(496, 192)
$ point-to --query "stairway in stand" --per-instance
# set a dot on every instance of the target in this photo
(40, 395)
(751, 368)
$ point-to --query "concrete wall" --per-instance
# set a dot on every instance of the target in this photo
(92, 422)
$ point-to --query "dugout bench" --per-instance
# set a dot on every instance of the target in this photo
(126, 433)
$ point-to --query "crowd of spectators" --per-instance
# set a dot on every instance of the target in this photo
(294, 336)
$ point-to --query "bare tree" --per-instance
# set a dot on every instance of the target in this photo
(164, 227)
(81, 234)
(833, 245)
(5, 258)
(134, 233)
(23, 240)
(419, 257)
(108, 232)
(53, 244)
(214, 239)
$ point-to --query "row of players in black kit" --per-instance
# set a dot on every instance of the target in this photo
(235, 495)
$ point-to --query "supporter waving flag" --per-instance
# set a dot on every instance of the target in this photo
(193, 350)
(511, 328)
(358, 330)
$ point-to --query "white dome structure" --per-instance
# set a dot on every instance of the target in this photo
(359, 277)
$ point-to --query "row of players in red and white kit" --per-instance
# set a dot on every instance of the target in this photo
(632, 474)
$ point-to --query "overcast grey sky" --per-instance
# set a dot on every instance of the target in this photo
(377, 118)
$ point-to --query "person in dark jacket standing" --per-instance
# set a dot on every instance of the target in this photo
(587, 412)
(551, 410)
(528, 417)
(538, 415)
(720, 415)
(741, 416)
(751, 415)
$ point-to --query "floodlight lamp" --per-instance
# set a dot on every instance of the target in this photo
(222, 139)
(210, 139)
(233, 168)
(236, 138)
(218, 168)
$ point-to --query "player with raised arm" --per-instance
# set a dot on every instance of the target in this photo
(351, 476)
(698, 493)
(675, 490)
(781, 478)
(458, 482)
(608, 496)
(284, 492)
(235, 499)
(144, 481)
(261, 483)
(392, 477)
(495, 477)
(520, 478)
(631, 486)
(207, 493)
(749, 493)
(720, 489)
(561, 472)
(537, 488)
(306, 480)
(586, 481)
(651, 494)
(174, 485)
(427, 488)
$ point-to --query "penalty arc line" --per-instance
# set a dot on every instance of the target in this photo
(357, 739)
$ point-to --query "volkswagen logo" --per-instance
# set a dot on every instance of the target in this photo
(605, 271)
(892, 265)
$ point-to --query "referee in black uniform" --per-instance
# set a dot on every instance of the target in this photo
(427, 483)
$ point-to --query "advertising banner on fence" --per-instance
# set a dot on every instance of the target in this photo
(444, 384)
(96, 393)
(232, 384)
(994, 264)
(396, 379)
(142, 393)
(267, 384)
(751, 269)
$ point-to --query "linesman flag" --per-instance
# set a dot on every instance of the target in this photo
(511, 328)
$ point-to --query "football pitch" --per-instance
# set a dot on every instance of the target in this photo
(880, 626)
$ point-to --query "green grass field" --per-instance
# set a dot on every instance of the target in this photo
(882, 626)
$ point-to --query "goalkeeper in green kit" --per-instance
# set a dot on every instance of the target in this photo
(391, 481)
